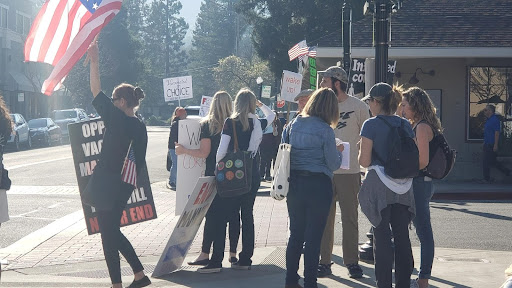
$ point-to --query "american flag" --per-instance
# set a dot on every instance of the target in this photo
(129, 172)
(312, 52)
(62, 32)
(299, 49)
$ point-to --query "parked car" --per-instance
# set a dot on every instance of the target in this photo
(44, 131)
(19, 135)
(64, 117)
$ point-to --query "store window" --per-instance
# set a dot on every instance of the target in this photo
(22, 24)
(490, 86)
(3, 17)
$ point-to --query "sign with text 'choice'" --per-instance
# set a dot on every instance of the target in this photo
(290, 85)
(86, 140)
(178, 88)
(206, 102)
(186, 229)
(189, 167)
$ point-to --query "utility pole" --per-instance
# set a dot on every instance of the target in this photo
(346, 20)
(167, 52)
(381, 38)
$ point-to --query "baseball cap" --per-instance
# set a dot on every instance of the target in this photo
(303, 93)
(336, 72)
(378, 90)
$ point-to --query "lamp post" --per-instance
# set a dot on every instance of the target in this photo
(259, 81)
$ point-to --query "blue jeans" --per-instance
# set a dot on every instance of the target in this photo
(308, 200)
(422, 195)
(174, 167)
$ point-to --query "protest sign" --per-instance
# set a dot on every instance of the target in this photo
(312, 73)
(189, 167)
(86, 140)
(178, 88)
(266, 91)
(206, 101)
(186, 229)
(290, 85)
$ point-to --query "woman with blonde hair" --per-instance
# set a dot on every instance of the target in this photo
(249, 131)
(418, 108)
(384, 200)
(211, 129)
(314, 157)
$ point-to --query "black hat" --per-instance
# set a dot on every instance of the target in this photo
(379, 90)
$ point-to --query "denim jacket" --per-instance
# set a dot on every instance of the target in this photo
(313, 146)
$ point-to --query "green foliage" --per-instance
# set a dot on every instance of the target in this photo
(234, 73)
(278, 25)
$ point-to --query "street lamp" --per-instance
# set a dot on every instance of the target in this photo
(259, 81)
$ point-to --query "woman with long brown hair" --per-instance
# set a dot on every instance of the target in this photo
(5, 133)
(419, 109)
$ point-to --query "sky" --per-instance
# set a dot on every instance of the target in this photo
(189, 12)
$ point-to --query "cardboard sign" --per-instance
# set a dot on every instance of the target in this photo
(186, 229)
(290, 85)
(86, 140)
(178, 88)
(189, 168)
(206, 102)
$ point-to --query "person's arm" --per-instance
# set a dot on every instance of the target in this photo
(365, 152)
(332, 153)
(93, 57)
(269, 114)
(205, 146)
(223, 147)
(496, 140)
(423, 137)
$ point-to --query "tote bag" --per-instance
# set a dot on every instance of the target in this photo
(233, 173)
(281, 177)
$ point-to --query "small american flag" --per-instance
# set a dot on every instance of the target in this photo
(129, 172)
(312, 52)
(62, 32)
(300, 48)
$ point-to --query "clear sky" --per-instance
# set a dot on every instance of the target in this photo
(189, 12)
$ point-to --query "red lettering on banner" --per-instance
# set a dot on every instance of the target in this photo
(202, 193)
(133, 215)
(148, 209)
(93, 222)
(140, 213)
(124, 219)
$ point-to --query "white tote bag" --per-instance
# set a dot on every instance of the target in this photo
(280, 182)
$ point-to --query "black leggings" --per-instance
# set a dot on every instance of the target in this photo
(213, 216)
(114, 241)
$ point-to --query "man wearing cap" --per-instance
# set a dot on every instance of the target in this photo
(353, 113)
(302, 98)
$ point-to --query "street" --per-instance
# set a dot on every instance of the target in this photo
(457, 224)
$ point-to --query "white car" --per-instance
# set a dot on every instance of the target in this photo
(64, 117)
(19, 135)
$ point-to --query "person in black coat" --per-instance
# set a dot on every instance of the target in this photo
(179, 114)
(123, 129)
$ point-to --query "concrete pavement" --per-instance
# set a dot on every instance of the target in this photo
(63, 255)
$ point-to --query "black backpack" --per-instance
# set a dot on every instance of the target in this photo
(441, 157)
(403, 157)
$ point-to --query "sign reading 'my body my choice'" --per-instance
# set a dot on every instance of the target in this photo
(86, 142)
(178, 88)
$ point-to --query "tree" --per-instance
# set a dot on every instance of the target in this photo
(278, 25)
(234, 73)
(215, 37)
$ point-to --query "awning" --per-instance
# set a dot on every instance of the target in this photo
(20, 82)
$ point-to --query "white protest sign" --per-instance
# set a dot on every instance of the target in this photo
(178, 88)
(266, 91)
(206, 101)
(186, 229)
(290, 85)
(189, 168)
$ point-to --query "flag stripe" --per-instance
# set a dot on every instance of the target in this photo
(32, 33)
(79, 44)
(60, 31)
(63, 46)
(40, 33)
(52, 29)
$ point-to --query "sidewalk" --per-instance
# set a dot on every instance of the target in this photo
(63, 255)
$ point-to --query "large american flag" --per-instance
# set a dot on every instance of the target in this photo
(62, 31)
(129, 172)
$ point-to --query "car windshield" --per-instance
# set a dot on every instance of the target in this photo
(37, 123)
(64, 114)
(14, 118)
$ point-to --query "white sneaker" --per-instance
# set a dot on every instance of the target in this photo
(414, 283)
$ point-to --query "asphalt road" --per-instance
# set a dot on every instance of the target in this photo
(481, 225)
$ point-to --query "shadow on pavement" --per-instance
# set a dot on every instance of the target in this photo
(481, 214)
